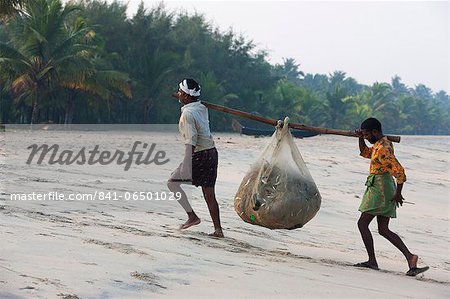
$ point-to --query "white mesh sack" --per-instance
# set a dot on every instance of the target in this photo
(278, 191)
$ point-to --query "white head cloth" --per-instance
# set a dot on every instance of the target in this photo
(192, 92)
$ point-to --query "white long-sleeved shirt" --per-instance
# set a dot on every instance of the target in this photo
(194, 126)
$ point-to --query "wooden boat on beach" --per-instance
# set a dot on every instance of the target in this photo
(241, 129)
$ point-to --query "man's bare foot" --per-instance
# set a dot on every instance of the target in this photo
(190, 222)
(412, 262)
(218, 233)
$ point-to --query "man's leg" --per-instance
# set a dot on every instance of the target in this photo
(174, 186)
(213, 207)
(363, 225)
(383, 229)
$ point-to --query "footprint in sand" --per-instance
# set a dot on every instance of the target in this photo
(148, 278)
(120, 247)
(68, 296)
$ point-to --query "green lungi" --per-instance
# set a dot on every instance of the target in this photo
(377, 199)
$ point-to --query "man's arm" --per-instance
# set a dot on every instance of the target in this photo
(189, 133)
(364, 151)
(362, 145)
(390, 162)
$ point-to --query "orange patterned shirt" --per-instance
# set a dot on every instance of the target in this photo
(382, 160)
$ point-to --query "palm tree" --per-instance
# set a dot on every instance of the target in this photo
(43, 51)
(317, 83)
(337, 99)
(374, 101)
(101, 83)
(47, 53)
(398, 87)
(289, 70)
(9, 7)
(308, 109)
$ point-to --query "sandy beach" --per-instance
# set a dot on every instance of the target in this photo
(134, 249)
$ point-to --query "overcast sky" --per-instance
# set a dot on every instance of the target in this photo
(370, 41)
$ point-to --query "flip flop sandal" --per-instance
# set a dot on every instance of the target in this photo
(366, 265)
(414, 271)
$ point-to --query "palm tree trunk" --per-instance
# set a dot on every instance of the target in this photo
(35, 110)
(70, 108)
(37, 103)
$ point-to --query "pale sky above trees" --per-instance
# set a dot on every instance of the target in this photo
(370, 41)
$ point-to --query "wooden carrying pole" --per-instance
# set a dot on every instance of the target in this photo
(291, 125)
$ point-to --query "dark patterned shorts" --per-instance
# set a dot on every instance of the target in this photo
(204, 168)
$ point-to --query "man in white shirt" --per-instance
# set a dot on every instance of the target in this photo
(199, 166)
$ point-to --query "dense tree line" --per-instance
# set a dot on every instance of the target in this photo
(87, 62)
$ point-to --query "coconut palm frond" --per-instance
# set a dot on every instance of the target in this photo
(6, 51)
(9, 7)
(116, 80)
(71, 43)
(22, 83)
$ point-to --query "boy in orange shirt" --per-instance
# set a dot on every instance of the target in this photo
(382, 195)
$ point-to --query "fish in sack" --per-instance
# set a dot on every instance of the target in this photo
(278, 192)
